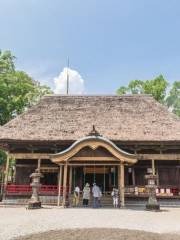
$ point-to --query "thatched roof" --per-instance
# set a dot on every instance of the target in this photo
(123, 118)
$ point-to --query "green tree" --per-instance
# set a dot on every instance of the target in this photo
(6, 62)
(156, 87)
(173, 99)
(18, 90)
(2, 157)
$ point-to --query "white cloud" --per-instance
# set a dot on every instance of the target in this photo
(76, 82)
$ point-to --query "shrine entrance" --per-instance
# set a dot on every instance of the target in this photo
(101, 179)
(92, 159)
(104, 176)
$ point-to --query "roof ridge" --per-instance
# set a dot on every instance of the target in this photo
(98, 95)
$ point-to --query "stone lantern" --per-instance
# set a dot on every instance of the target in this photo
(35, 202)
(152, 203)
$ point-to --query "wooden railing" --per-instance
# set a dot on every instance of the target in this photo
(18, 188)
(27, 189)
(129, 190)
(49, 189)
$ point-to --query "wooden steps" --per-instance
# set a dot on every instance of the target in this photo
(106, 201)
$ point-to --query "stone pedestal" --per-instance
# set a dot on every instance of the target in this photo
(35, 202)
(152, 203)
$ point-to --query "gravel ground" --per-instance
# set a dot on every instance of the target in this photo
(100, 234)
(15, 222)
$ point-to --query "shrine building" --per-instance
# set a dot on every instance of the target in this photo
(110, 140)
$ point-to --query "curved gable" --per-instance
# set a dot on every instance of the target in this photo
(93, 142)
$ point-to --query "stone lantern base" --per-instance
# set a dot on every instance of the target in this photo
(34, 205)
(152, 204)
(153, 207)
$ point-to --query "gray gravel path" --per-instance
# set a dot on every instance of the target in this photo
(19, 221)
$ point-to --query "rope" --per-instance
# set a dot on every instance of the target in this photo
(114, 174)
(84, 175)
(94, 173)
(74, 177)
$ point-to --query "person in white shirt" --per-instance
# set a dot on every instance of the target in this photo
(115, 196)
(86, 195)
(99, 198)
(96, 194)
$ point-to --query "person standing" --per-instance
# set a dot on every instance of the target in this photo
(115, 196)
(86, 195)
(76, 196)
(96, 193)
(99, 198)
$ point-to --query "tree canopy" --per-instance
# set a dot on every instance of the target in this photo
(2, 157)
(173, 99)
(18, 90)
(159, 88)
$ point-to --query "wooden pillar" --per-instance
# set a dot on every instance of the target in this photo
(70, 179)
(2, 180)
(121, 184)
(59, 185)
(153, 167)
(74, 178)
(39, 165)
(6, 175)
(65, 184)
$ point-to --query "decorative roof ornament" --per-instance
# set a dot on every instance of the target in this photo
(94, 132)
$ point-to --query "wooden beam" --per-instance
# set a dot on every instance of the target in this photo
(94, 159)
(49, 168)
(93, 164)
(30, 155)
(42, 168)
(158, 157)
(139, 157)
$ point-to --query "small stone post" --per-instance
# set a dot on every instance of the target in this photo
(34, 202)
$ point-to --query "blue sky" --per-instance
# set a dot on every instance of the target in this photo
(109, 42)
